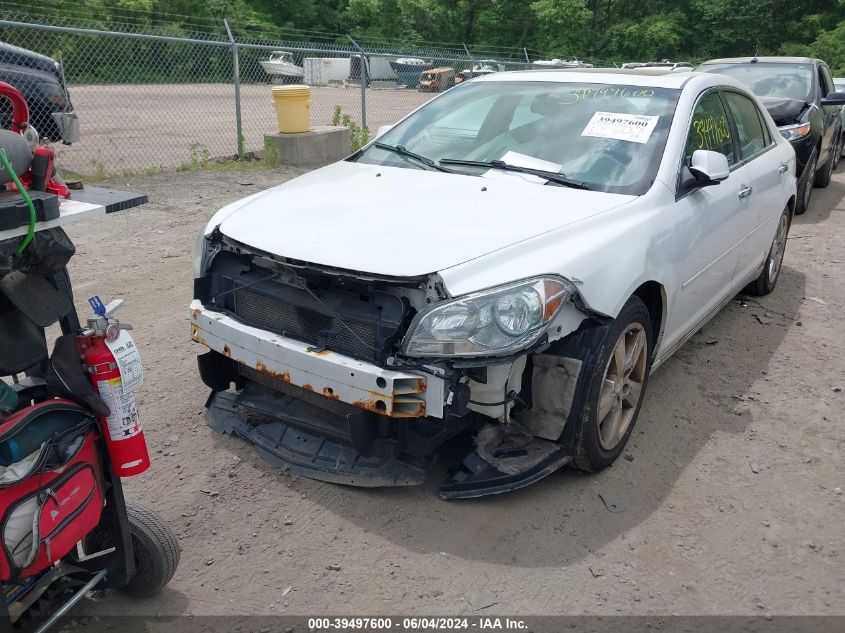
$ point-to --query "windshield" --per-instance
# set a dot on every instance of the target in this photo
(792, 81)
(609, 136)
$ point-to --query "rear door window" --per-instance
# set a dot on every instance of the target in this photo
(825, 82)
(751, 136)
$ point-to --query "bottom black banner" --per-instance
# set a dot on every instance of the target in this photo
(410, 624)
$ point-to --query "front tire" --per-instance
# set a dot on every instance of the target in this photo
(611, 386)
(805, 185)
(824, 175)
(768, 279)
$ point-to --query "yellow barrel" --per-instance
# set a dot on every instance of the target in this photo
(292, 108)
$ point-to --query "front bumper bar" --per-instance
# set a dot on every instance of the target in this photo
(394, 394)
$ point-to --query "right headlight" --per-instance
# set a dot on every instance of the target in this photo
(494, 322)
(794, 132)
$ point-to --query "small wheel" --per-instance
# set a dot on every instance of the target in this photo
(155, 548)
(824, 175)
(805, 185)
(768, 279)
(616, 360)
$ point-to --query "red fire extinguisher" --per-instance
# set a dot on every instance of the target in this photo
(114, 369)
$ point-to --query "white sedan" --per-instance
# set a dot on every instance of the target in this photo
(506, 265)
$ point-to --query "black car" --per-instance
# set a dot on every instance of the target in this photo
(799, 94)
(40, 80)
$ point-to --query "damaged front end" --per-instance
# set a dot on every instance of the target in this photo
(361, 379)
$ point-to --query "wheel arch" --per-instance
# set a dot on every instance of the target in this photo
(653, 294)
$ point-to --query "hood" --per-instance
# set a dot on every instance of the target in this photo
(401, 222)
(784, 111)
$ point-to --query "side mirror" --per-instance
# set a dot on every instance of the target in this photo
(834, 99)
(708, 166)
(382, 130)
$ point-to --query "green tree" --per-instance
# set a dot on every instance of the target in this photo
(619, 30)
(564, 26)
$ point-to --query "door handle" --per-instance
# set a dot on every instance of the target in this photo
(744, 192)
(783, 168)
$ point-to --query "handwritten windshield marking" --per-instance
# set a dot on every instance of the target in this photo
(711, 131)
(582, 94)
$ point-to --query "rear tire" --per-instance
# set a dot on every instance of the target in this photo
(155, 548)
(805, 185)
(766, 282)
(616, 360)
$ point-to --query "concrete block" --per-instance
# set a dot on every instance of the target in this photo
(321, 145)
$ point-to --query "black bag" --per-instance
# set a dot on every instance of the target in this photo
(49, 252)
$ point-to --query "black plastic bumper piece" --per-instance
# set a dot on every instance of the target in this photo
(311, 454)
(321, 445)
(216, 371)
(477, 478)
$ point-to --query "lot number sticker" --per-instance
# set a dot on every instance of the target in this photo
(623, 127)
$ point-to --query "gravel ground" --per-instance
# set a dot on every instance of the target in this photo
(730, 489)
(135, 127)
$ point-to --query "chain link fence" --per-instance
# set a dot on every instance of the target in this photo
(151, 96)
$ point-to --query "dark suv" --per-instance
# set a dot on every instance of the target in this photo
(799, 94)
(40, 80)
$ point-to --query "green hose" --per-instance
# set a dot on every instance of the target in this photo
(33, 218)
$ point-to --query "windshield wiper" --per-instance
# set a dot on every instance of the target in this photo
(401, 150)
(550, 176)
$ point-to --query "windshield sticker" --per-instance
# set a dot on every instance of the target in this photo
(581, 94)
(636, 128)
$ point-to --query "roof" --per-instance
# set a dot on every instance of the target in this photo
(650, 77)
(762, 60)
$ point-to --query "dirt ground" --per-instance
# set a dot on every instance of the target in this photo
(136, 127)
(730, 487)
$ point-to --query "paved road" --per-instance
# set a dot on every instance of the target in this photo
(130, 128)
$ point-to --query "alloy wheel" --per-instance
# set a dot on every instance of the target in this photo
(777, 250)
(622, 386)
